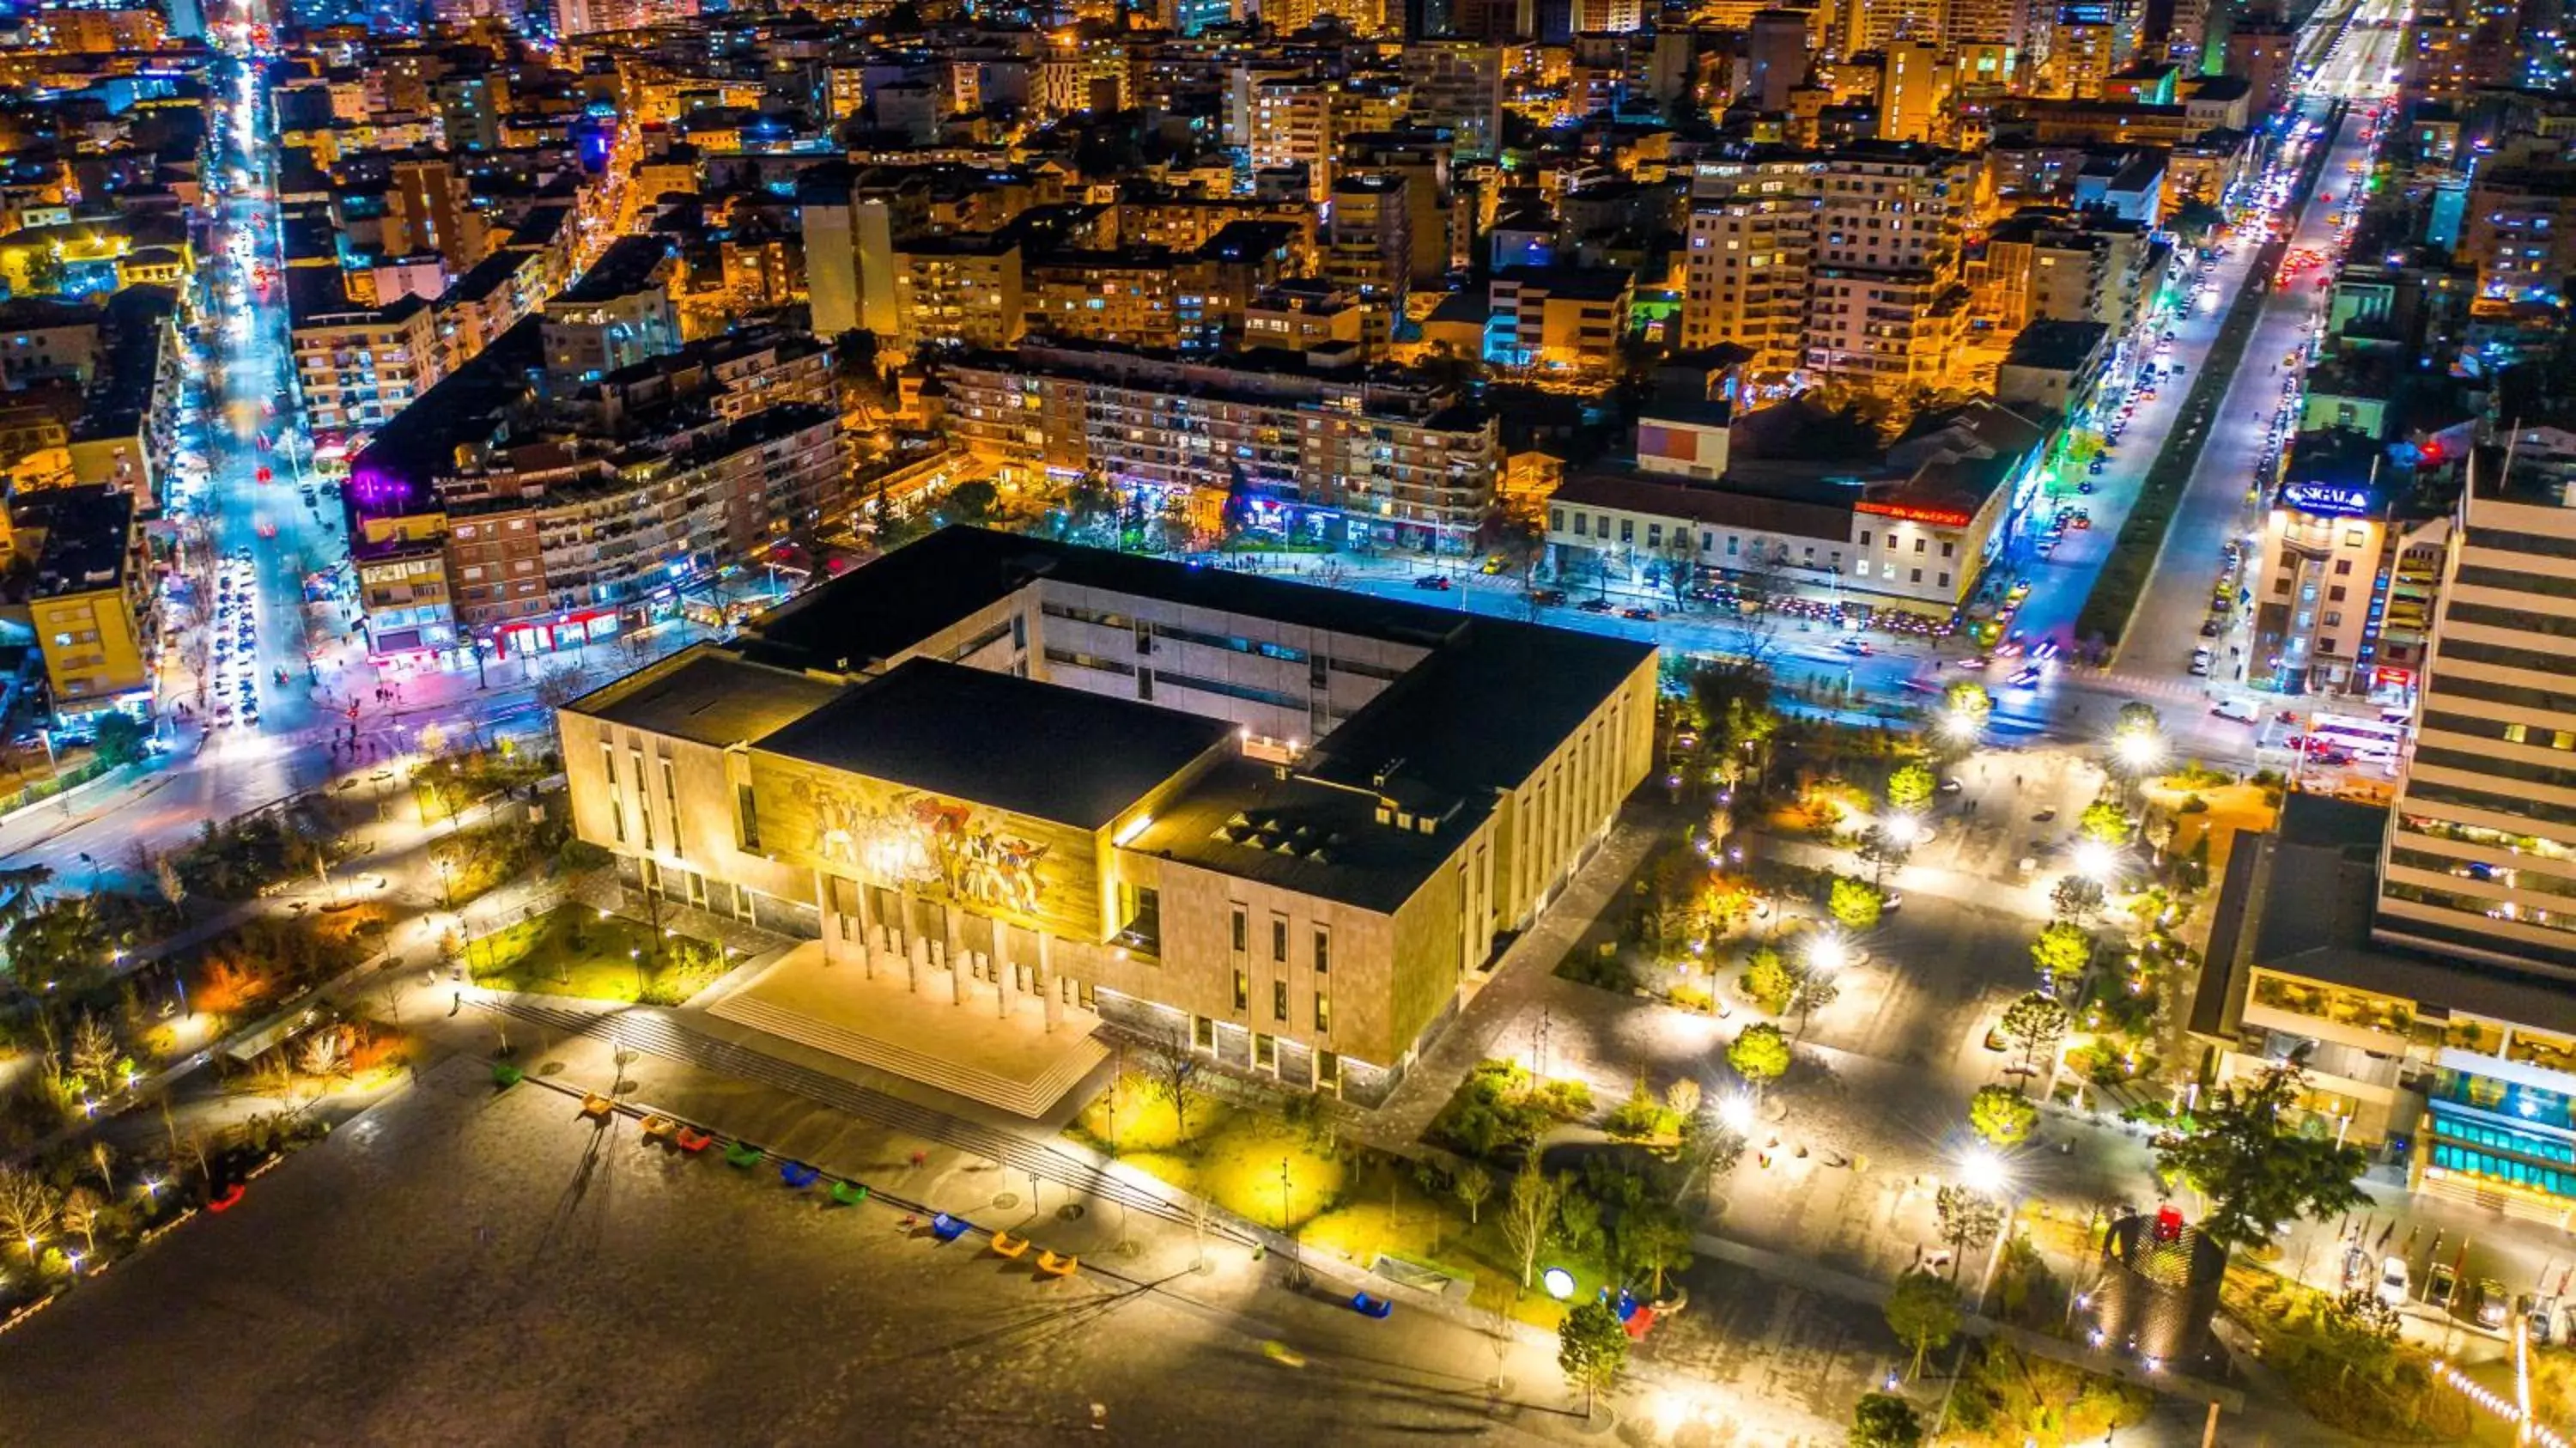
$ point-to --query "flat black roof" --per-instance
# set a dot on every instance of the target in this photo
(622, 270)
(1242, 819)
(876, 612)
(1036, 749)
(708, 696)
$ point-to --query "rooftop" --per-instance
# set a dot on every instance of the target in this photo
(2301, 900)
(1243, 819)
(2057, 346)
(708, 696)
(1002, 741)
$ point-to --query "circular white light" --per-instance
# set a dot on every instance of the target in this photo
(1559, 1283)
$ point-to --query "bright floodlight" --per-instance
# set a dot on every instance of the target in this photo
(2139, 750)
(1827, 952)
(1961, 724)
(1982, 1171)
(1736, 1112)
(1559, 1283)
(1902, 830)
(2095, 860)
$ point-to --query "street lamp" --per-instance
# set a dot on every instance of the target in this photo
(1736, 1113)
(1826, 952)
(2096, 861)
(1902, 830)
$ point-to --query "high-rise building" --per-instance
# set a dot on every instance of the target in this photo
(1752, 236)
(1913, 90)
(1775, 52)
(1885, 306)
(1456, 86)
(2480, 858)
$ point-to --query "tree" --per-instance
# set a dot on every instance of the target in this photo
(1653, 1239)
(1923, 1312)
(1855, 903)
(1768, 979)
(1528, 1212)
(92, 1049)
(2137, 718)
(974, 500)
(1884, 1420)
(1172, 1074)
(80, 1214)
(1966, 1219)
(1760, 1054)
(2001, 1116)
(2035, 1021)
(2061, 953)
(27, 1208)
(1968, 699)
(1882, 852)
(1911, 788)
(2105, 821)
(1592, 1348)
(118, 740)
(2076, 897)
(558, 687)
(1473, 1184)
(2245, 1154)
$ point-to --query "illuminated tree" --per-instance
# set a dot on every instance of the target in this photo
(2001, 1116)
(1760, 1054)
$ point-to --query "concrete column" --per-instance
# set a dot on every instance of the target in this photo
(954, 949)
(1046, 986)
(1001, 968)
(913, 946)
(867, 928)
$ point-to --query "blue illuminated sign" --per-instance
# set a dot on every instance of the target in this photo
(2333, 500)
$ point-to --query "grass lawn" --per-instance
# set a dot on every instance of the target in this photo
(2385, 1394)
(1360, 1206)
(571, 951)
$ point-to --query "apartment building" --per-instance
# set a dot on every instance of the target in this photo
(1885, 309)
(89, 601)
(1353, 453)
(2520, 230)
(2344, 579)
(1752, 240)
(2481, 854)
(1558, 319)
(356, 368)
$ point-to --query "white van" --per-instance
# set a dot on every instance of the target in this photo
(2200, 658)
(2237, 710)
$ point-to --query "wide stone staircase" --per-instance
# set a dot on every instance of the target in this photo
(1075, 1056)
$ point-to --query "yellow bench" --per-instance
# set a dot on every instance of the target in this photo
(596, 1105)
(657, 1127)
(1054, 1266)
(1006, 1245)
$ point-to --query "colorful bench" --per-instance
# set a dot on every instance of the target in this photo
(656, 1128)
(1370, 1305)
(947, 1228)
(690, 1139)
(1006, 1245)
(597, 1107)
(798, 1175)
(743, 1154)
(506, 1074)
(1051, 1265)
(849, 1194)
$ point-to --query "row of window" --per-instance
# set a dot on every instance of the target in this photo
(2479, 905)
(1321, 939)
(2537, 880)
(2518, 582)
(2477, 728)
(2491, 616)
(2421, 789)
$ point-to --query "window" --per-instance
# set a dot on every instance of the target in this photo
(1242, 989)
(749, 811)
(1864, 537)
(2355, 537)
(1918, 576)
(1203, 1033)
(2334, 593)
(1323, 1012)
(1265, 1051)
(1242, 930)
(1279, 999)
(1279, 938)
(1323, 950)
(1919, 544)
(2343, 566)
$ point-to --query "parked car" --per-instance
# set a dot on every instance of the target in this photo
(2491, 1305)
(1638, 612)
(2441, 1286)
(1594, 605)
(2394, 1281)
(1437, 582)
(1546, 597)
(2200, 658)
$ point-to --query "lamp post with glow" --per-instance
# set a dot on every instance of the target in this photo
(1983, 1172)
